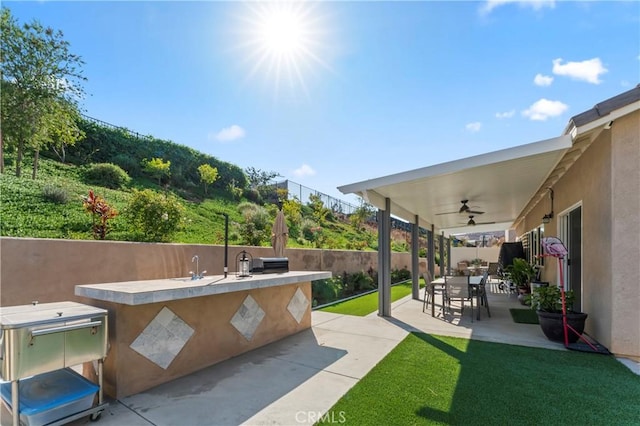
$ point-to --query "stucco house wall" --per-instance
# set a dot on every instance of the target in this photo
(605, 181)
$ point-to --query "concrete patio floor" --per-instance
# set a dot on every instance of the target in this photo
(297, 379)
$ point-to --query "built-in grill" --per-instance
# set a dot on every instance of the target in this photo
(270, 265)
(41, 338)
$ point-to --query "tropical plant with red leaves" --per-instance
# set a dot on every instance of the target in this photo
(101, 213)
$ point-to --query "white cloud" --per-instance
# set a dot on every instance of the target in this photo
(474, 127)
(506, 114)
(542, 80)
(304, 170)
(589, 70)
(534, 4)
(543, 109)
(229, 133)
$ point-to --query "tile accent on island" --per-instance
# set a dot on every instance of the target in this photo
(298, 305)
(163, 338)
(248, 317)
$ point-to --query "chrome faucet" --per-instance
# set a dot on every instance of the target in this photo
(196, 275)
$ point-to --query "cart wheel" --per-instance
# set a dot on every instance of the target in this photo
(94, 417)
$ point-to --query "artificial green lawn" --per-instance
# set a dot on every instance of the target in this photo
(364, 305)
(431, 379)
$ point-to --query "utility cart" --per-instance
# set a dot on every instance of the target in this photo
(38, 344)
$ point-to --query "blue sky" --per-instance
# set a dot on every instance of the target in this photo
(332, 93)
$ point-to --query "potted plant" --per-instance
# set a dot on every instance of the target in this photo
(547, 301)
(520, 274)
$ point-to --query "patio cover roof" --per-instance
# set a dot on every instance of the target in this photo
(499, 183)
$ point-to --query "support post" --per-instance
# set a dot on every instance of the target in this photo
(449, 255)
(431, 255)
(226, 244)
(441, 252)
(415, 261)
(384, 260)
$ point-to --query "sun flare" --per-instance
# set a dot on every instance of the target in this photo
(284, 42)
(282, 32)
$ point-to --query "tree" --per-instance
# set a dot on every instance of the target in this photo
(361, 215)
(40, 78)
(258, 178)
(320, 212)
(208, 175)
(63, 130)
(157, 168)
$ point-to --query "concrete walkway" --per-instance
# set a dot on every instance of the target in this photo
(296, 380)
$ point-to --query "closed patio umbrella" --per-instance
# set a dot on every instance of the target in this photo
(279, 234)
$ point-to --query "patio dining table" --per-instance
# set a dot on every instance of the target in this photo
(438, 286)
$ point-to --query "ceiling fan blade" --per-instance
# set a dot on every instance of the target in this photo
(472, 222)
(474, 212)
(440, 214)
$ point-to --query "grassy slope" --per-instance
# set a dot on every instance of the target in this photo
(24, 212)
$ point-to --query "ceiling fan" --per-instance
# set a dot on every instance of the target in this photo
(472, 222)
(463, 209)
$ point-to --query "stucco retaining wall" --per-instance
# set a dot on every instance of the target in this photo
(47, 270)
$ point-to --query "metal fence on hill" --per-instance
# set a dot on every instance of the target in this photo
(119, 128)
(302, 193)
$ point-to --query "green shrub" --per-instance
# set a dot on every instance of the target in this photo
(398, 275)
(355, 283)
(55, 194)
(153, 216)
(108, 175)
(128, 164)
(253, 195)
(256, 227)
(325, 291)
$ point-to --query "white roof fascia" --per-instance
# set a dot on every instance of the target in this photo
(534, 148)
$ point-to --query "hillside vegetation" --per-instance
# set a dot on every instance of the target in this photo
(51, 206)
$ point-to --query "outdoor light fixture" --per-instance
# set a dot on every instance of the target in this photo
(243, 264)
(547, 217)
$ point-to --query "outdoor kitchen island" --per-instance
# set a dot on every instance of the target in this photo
(163, 329)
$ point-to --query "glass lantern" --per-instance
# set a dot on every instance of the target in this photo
(243, 264)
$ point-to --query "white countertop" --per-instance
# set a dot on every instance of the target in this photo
(162, 290)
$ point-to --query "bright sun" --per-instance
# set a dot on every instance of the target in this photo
(282, 32)
(284, 42)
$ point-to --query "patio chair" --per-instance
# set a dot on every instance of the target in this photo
(428, 291)
(480, 294)
(493, 272)
(457, 288)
